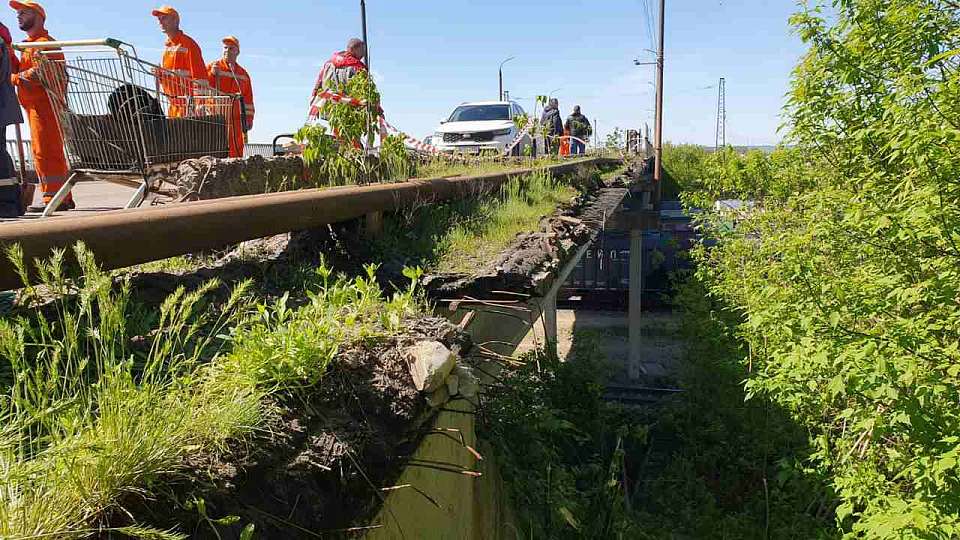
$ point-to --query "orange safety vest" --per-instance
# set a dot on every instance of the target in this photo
(30, 89)
(236, 81)
(183, 61)
(565, 143)
(48, 155)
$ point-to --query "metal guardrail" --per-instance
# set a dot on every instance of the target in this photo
(125, 238)
(251, 149)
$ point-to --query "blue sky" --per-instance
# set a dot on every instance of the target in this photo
(429, 56)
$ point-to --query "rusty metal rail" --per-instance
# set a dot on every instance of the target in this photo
(128, 237)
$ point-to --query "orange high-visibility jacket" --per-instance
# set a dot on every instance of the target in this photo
(234, 80)
(48, 154)
(182, 57)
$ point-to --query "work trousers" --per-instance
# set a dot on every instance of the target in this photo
(10, 205)
(48, 157)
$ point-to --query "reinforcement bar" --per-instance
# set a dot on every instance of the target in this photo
(125, 238)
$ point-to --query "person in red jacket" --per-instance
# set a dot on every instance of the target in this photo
(8, 39)
(337, 72)
(183, 60)
(229, 77)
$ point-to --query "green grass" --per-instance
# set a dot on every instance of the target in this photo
(442, 168)
(463, 236)
(103, 398)
(175, 265)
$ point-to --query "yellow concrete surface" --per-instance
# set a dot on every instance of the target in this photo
(463, 507)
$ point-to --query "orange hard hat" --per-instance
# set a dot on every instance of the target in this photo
(231, 41)
(165, 10)
(29, 4)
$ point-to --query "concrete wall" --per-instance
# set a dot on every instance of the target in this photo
(469, 508)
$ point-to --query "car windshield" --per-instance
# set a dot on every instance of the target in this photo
(479, 113)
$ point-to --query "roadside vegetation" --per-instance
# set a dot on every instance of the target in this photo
(335, 153)
(706, 463)
(466, 235)
(103, 398)
(843, 270)
(442, 167)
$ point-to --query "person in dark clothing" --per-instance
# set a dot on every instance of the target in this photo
(554, 125)
(10, 203)
(580, 129)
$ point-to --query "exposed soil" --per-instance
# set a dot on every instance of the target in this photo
(321, 463)
(530, 263)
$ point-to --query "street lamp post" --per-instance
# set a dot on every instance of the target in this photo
(501, 75)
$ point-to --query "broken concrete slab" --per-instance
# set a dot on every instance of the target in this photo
(430, 363)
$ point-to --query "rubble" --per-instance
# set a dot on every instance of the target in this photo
(430, 364)
(211, 178)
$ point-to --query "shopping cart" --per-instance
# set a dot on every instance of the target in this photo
(125, 120)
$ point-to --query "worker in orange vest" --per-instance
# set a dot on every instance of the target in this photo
(184, 62)
(229, 77)
(565, 143)
(48, 155)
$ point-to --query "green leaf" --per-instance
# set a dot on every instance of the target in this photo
(568, 517)
(943, 56)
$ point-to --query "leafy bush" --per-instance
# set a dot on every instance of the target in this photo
(561, 447)
(338, 155)
(848, 274)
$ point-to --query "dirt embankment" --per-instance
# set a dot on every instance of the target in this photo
(322, 461)
(530, 264)
(327, 453)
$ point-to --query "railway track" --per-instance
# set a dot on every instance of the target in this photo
(638, 395)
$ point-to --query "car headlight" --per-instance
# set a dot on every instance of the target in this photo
(438, 137)
(503, 132)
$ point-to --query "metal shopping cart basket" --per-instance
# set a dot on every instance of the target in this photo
(126, 120)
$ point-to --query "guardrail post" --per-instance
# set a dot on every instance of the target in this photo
(373, 224)
(549, 308)
(636, 304)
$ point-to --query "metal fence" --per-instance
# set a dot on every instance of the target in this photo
(258, 149)
(253, 149)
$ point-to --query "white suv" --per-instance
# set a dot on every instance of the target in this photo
(481, 126)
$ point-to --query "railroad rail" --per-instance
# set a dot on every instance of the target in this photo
(124, 238)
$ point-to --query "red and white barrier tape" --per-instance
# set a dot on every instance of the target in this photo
(416, 143)
(326, 95)
(517, 139)
(386, 127)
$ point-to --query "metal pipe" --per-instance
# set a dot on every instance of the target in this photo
(21, 155)
(125, 238)
(99, 42)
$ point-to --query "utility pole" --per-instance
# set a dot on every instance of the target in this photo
(721, 142)
(658, 136)
(363, 17)
(373, 222)
(366, 59)
(596, 134)
(500, 71)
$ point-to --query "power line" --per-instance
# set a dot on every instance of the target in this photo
(648, 18)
